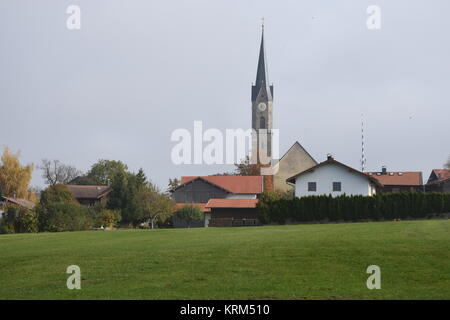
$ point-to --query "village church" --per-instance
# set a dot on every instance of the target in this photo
(296, 159)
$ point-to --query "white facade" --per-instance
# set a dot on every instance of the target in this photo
(324, 176)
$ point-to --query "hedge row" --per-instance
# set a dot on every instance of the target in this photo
(387, 206)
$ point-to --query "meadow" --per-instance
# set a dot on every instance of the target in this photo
(314, 261)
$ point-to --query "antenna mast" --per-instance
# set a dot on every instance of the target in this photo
(363, 157)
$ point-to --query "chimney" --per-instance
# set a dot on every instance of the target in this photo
(383, 170)
(329, 157)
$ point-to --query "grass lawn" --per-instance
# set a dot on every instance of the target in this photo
(325, 261)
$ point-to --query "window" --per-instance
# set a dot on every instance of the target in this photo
(262, 123)
(312, 186)
(337, 186)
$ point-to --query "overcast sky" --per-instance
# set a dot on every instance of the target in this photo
(137, 70)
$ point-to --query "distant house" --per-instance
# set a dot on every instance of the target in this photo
(403, 181)
(18, 202)
(439, 181)
(200, 190)
(90, 195)
(232, 212)
(24, 203)
(335, 178)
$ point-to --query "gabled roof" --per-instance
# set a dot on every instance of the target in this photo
(297, 144)
(232, 184)
(438, 175)
(262, 77)
(403, 178)
(180, 205)
(88, 192)
(232, 203)
(331, 161)
(20, 202)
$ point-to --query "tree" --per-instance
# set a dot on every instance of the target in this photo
(15, 178)
(173, 184)
(58, 211)
(190, 213)
(56, 193)
(245, 168)
(103, 172)
(124, 186)
(63, 216)
(141, 178)
(56, 172)
(447, 164)
(152, 205)
(107, 218)
(82, 180)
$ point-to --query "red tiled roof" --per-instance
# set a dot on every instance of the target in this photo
(200, 205)
(20, 202)
(233, 184)
(88, 192)
(438, 176)
(403, 178)
(232, 203)
(442, 174)
(330, 160)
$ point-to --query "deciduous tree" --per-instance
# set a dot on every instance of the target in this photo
(190, 213)
(152, 205)
(103, 172)
(15, 178)
(55, 172)
(245, 168)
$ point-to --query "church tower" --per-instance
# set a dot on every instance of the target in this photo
(262, 101)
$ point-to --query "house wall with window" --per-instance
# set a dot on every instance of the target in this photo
(327, 180)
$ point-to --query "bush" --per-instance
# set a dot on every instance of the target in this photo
(6, 227)
(63, 216)
(108, 218)
(190, 213)
(26, 221)
(19, 220)
(388, 206)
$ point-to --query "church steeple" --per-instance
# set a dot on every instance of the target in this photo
(262, 76)
(262, 106)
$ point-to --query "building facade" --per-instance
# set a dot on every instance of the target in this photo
(295, 160)
(333, 178)
(207, 191)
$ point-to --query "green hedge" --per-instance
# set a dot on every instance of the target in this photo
(386, 206)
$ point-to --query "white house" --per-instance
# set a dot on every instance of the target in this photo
(335, 178)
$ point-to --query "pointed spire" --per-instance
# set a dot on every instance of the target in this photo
(262, 77)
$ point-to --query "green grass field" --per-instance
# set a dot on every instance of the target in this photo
(325, 261)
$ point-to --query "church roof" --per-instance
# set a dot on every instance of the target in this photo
(297, 145)
(262, 75)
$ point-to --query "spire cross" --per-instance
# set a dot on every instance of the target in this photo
(262, 22)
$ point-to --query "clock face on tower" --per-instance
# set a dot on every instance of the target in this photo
(262, 106)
